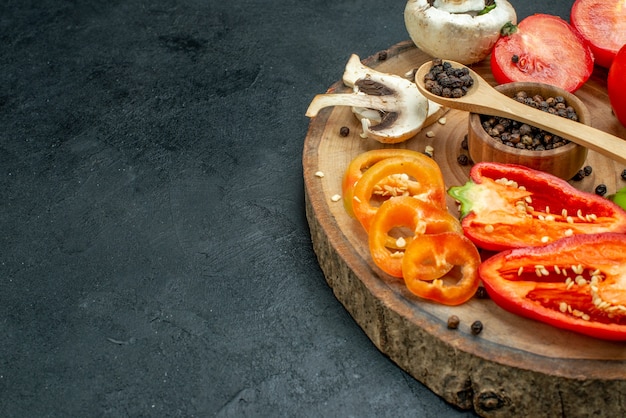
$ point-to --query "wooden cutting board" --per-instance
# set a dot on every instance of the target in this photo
(515, 366)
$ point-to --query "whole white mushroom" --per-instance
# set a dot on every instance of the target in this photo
(458, 30)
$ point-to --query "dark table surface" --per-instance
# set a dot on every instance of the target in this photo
(155, 258)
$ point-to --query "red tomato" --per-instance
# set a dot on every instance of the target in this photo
(543, 49)
(602, 23)
(616, 85)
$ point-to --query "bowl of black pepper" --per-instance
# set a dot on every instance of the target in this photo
(508, 141)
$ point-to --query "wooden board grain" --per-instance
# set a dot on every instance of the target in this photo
(515, 366)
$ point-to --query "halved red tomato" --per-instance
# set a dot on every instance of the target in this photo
(543, 49)
(602, 23)
(616, 85)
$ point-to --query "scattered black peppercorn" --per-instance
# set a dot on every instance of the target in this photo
(453, 322)
(601, 189)
(382, 55)
(462, 159)
(481, 293)
(588, 170)
(477, 327)
(344, 131)
(465, 146)
(579, 176)
(624, 174)
(515, 59)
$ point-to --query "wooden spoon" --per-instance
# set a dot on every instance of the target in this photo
(483, 99)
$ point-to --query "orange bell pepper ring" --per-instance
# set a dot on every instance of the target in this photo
(397, 223)
(429, 255)
(365, 160)
(397, 176)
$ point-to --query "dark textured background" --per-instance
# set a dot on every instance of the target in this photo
(154, 255)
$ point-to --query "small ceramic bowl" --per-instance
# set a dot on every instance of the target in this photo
(563, 161)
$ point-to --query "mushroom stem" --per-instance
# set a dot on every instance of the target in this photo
(320, 101)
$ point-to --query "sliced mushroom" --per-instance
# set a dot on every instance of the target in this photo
(355, 70)
(402, 108)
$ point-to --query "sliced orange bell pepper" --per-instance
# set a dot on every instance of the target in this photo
(397, 223)
(365, 160)
(413, 176)
(428, 268)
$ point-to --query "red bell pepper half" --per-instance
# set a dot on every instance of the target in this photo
(506, 206)
(577, 283)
